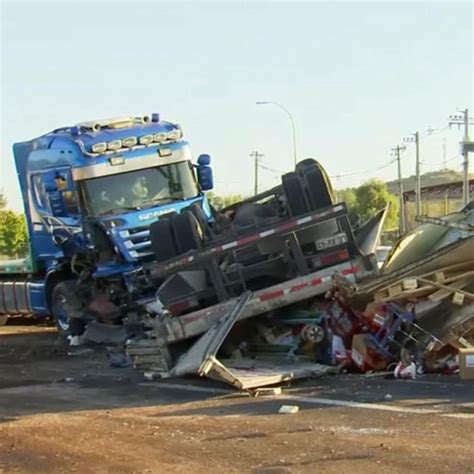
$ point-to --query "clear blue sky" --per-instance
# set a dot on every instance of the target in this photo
(357, 76)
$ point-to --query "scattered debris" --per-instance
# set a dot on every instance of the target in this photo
(413, 317)
(265, 391)
(289, 409)
(466, 363)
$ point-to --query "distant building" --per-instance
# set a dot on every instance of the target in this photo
(436, 200)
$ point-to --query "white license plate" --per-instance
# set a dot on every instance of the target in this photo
(332, 241)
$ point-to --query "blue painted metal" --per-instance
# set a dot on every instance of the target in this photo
(57, 232)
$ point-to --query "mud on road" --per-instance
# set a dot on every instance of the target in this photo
(74, 413)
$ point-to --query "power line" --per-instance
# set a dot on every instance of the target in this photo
(433, 165)
(433, 131)
(357, 173)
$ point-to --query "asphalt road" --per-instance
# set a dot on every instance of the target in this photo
(74, 413)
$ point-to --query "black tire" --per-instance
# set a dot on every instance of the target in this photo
(294, 193)
(65, 309)
(306, 164)
(316, 182)
(318, 192)
(162, 241)
(198, 213)
(187, 232)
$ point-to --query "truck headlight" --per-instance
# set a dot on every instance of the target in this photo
(160, 137)
(145, 140)
(175, 134)
(129, 142)
(114, 145)
(99, 147)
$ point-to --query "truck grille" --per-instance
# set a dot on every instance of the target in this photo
(137, 242)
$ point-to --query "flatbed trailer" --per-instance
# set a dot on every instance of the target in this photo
(310, 268)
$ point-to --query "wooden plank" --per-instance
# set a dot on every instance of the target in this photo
(458, 298)
(418, 293)
(384, 293)
(394, 290)
(409, 284)
(441, 294)
(439, 276)
(446, 287)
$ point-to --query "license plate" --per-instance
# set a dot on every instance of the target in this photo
(332, 241)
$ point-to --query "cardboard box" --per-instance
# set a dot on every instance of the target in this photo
(466, 363)
(365, 355)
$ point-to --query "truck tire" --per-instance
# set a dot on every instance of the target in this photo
(65, 306)
(294, 193)
(162, 242)
(317, 185)
(188, 234)
(201, 217)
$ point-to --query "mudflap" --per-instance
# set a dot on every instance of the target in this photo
(243, 373)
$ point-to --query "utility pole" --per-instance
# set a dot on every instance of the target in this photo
(463, 120)
(466, 158)
(445, 164)
(256, 156)
(415, 138)
(401, 226)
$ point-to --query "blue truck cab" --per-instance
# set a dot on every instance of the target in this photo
(91, 192)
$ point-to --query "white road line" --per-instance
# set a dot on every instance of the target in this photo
(364, 405)
(314, 400)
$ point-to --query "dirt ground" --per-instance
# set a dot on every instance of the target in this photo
(74, 413)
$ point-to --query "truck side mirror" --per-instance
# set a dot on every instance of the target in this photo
(204, 160)
(204, 173)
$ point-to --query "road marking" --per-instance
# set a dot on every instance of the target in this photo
(315, 400)
(350, 404)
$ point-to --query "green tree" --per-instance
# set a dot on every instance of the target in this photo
(13, 233)
(348, 196)
(372, 196)
(3, 201)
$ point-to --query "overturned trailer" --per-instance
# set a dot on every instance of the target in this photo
(262, 262)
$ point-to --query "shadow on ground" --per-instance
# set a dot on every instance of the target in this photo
(39, 375)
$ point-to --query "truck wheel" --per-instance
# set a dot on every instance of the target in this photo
(64, 301)
(3, 319)
(294, 194)
(201, 217)
(187, 232)
(317, 183)
(162, 242)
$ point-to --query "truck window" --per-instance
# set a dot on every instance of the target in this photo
(140, 189)
(39, 191)
(69, 194)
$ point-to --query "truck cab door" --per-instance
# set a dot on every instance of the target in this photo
(55, 199)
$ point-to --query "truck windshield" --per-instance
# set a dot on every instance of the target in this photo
(139, 189)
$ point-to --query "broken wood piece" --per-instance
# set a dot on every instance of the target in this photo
(446, 287)
(444, 293)
(409, 284)
(439, 277)
(458, 298)
(395, 290)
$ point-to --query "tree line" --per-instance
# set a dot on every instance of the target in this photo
(13, 231)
